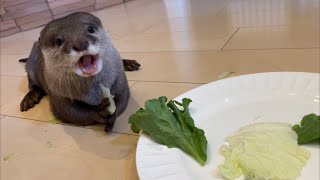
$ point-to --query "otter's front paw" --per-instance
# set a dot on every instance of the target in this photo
(102, 108)
(103, 113)
(32, 98)
(131, 65)
(110, 123)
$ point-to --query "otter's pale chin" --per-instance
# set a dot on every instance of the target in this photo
(88, 65)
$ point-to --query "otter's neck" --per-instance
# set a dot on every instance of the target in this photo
(70, 85)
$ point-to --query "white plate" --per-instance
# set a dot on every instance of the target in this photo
(222, 107)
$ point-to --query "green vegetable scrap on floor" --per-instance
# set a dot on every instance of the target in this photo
(53, 120)
(170, 126)
(309, 130)
(49, 144)
(225, 75)
(8, 156)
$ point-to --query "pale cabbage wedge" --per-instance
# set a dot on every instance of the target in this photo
(106, 93)
(263, 151)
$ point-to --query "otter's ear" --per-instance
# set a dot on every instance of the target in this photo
(98, 21)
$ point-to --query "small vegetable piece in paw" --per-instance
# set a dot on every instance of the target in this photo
(170, 126)
(309, 130)
(106, 93)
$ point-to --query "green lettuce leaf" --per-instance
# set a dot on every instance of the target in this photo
(309, 130)
(170, 126)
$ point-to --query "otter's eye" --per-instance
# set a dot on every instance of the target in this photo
(91, 29)
(59, 41)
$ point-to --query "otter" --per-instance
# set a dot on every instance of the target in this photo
(72, 58)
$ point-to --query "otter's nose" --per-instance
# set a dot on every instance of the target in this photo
(81, 46)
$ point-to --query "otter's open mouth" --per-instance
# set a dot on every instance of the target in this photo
(88, 64)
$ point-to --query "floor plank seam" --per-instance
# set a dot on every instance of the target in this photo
(230, 38)
(306, 48)
(70, 125)
(171, 82)
(214, 50)
(132, 84)
(12, 76)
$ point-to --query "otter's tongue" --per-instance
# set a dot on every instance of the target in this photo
(87, 64)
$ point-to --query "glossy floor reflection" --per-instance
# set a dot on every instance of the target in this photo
(181, 45)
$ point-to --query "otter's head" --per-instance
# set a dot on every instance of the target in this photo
(74, 44)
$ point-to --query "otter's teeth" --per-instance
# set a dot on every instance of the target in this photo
(89, 70)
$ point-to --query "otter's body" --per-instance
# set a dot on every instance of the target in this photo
(72, 57)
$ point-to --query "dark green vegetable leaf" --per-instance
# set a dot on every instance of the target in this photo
(170, 126)
(309, 129)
